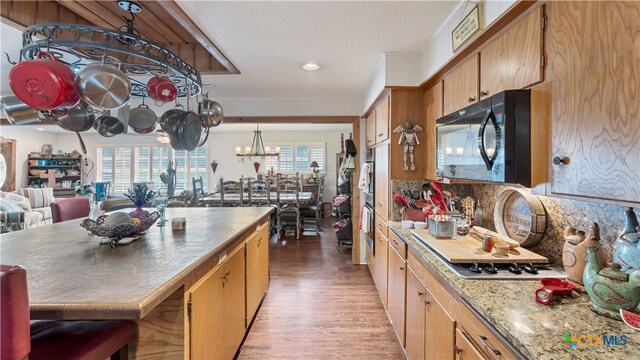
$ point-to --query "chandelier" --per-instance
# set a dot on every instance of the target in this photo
(257, 148)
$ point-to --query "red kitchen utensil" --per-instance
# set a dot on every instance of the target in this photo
(552, 287)
(437, 197)
(400, 200)
(44, 83)
(161, 88)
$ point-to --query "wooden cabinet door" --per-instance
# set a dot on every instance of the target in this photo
(415, 325)
(514, 59)
(593, 68)
(396, 291)
(381, 191)
(371, 128)
(465, 350)
(439, 330)
(382, 119)
(263, 245)
(380, 268)
(234, 303)
(432, 101)
(461, 85)
(206, 323)
(254, 286)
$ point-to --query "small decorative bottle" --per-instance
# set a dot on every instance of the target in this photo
(477, 215)
(95, 208)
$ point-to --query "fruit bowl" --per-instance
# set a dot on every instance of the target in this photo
(116, 233)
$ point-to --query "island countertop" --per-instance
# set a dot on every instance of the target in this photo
(536, 330)
(71, 276)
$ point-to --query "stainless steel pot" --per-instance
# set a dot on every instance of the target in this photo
(103, 86)
(109, 126)
(17, 112)
(167, 117)
(210, 112)
(142, 118)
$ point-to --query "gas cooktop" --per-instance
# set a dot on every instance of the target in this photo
(489, 271)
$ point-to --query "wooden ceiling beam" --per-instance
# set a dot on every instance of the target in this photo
(172, 8)
(290, 119)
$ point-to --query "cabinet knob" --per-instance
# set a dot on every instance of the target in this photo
(401, 268)
(457, 349)
(471, 99)
(486, 344)
(380, 134)
(484, 93)
(426, 302)
(420, 294)
(560, 160)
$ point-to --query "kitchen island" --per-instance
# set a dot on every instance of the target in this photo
(150, 281)
(501, 318)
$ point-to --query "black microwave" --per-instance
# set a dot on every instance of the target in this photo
(489, 141)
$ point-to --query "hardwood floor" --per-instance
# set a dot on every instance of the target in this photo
(319, 306)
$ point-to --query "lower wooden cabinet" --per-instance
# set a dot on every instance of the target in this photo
(220, 303)
(439, 331)
(465, 350)
(380, 268)
(396, 291)
(415, 325)
(217, 315)
(257, 268)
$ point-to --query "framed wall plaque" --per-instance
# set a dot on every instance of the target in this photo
(468, 27)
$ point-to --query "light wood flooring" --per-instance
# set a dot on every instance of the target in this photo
(319, 306)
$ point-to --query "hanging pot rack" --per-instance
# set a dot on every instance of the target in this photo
(78, 45)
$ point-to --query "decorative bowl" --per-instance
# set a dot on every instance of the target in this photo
(116, 233)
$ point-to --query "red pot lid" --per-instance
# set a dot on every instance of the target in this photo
(37, 86)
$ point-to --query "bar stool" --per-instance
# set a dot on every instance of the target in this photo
(52, 340)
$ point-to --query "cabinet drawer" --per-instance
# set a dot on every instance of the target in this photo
(381, 225)
(465, 350)
(485, 339)
(398, 244)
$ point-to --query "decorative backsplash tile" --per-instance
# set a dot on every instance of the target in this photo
(560, 214)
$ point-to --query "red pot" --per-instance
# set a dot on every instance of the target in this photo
(161, 88)
(44, 83)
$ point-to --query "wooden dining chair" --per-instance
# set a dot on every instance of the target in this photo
(288, 205)
(313, 213)
(228, 188)
(259, 193)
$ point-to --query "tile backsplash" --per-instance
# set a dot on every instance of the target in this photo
(560, 214)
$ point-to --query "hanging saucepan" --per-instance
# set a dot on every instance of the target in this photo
(210, 112)
(109, 126)
(77, 119)
(44, 83)
(142, 118)
(123, 115)
(103, 86)
(17, 112)
(190, 131)
(172, 130)
(145, 131)
(161, 88)
(166, 118)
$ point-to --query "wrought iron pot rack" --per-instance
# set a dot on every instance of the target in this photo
(78, 45)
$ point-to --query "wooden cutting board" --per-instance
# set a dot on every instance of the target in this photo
(466, 249)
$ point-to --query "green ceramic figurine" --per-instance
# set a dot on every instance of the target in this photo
(609, 288)
(626, 250)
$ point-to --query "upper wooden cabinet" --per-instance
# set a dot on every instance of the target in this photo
(371, 129)
(594, 72)
(461, 86)
(382, 119)
(514, 60)
(432, 102)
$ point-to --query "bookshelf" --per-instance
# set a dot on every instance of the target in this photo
(67, 168)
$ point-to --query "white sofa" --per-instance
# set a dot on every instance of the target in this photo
(35, 204)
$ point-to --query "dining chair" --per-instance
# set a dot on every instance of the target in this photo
(312, 213)
(103, 190)
(231, 187)
(69, 209)
(259, 193)
(52, 340)
(288, 205)
(198, 192)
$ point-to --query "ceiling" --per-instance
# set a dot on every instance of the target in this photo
(269, 41)
(346, 128)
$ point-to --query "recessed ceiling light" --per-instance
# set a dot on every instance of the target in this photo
(311, 67)
(40, 129)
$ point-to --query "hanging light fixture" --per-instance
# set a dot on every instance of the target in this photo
(257, 148)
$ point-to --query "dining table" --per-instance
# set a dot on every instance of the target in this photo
(213, 198)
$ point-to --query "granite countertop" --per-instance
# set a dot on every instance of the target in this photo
(71, 276)
(536, 330)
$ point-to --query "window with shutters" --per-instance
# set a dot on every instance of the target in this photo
(296, 158)
(125, 165)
